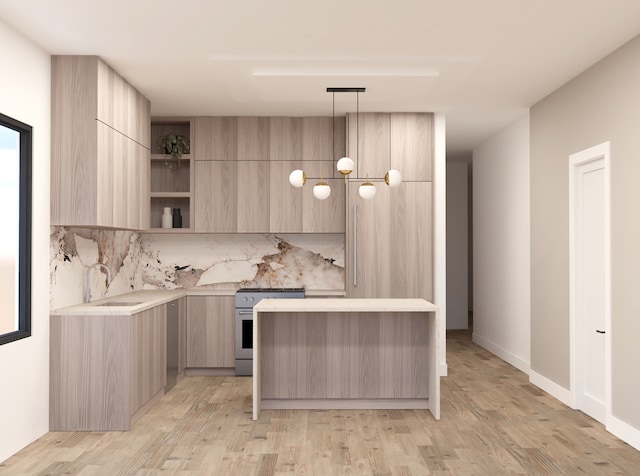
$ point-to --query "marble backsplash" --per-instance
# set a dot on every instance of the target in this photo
(171, 261)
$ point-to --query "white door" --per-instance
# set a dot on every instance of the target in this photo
(590, 292)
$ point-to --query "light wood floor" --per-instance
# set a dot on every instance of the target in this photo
(493, 422)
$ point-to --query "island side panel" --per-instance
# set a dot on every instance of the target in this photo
(350, 355)
(434, 331)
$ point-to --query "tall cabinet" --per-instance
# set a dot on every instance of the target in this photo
(389, 239)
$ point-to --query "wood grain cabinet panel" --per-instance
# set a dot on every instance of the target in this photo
(285, 138)
(411, 262)
(215, 196)
(285, 214)
(318, 138)
(90, 152)
(182, 334)
(324, 216)
(148, 355)
(369, 248)
(412, 145)
(253, 138)
(105, 370)
(211, 331)
(391, 255)
(253, 196)
(216, 138)
(368, 143)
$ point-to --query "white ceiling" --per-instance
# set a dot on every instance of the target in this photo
(482, 62)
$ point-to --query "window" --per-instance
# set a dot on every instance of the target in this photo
(15, 239)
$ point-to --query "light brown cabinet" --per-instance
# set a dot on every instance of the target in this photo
(378, 142)
(105, 370)
(211, 332)
(253, 138)
(389, 242)
(99, 146)
(182, 335)
(252, 196)
(296, 210)
(242, 172)
(148, 355)
(215, 196)
(216, 138)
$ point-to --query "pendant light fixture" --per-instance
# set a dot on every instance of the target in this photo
(346, 165)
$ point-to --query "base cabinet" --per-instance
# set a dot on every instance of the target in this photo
(105, 370)
(211, 332)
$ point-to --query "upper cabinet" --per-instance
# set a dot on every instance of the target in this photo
(242, 167)
(99, 146)
(378, 142)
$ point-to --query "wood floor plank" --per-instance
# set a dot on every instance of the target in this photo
(493, 422)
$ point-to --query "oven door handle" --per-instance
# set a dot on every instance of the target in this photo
(245, 313)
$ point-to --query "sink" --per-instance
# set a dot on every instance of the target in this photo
(118, 303)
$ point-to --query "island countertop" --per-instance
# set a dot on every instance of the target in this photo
(344, 305)
(346, 353)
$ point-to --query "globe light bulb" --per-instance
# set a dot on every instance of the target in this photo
(393, 178)
(345, 166)
(367, 190)
(297, 178)
(321, 190)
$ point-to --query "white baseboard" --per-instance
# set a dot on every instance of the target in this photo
(624, 431)
(551, 388)
(518, 362)
(444, 369)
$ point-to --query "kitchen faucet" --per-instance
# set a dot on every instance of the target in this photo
(87, 281)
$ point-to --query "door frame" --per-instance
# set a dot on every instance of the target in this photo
(597, 152)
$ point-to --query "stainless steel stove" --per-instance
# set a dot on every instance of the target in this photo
(246, 298)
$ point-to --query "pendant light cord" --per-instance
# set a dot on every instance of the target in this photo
(333, 128)
(358, 130)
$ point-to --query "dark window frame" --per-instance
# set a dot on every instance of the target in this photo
(25, 227)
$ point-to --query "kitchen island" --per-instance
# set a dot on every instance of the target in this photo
(346, 354)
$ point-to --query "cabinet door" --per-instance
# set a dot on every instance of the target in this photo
(102, 207)
(215, 196)
(285, 138)
(143, 181)
(389, 242)
(148, 355)
(211, 331)
(318, 138)
(182, 334)
(216, 138)
(412, 145)
(253, 196)
(369, 247)
(324, 216)
(411, 265)
(119, 171)
(369, 143)
(253, 138)
(285, 214)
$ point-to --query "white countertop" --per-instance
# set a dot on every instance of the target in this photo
(138, 301)
(345, 305)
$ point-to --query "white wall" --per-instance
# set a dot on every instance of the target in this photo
(24, 364)
(457, 246)
(501, 245)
